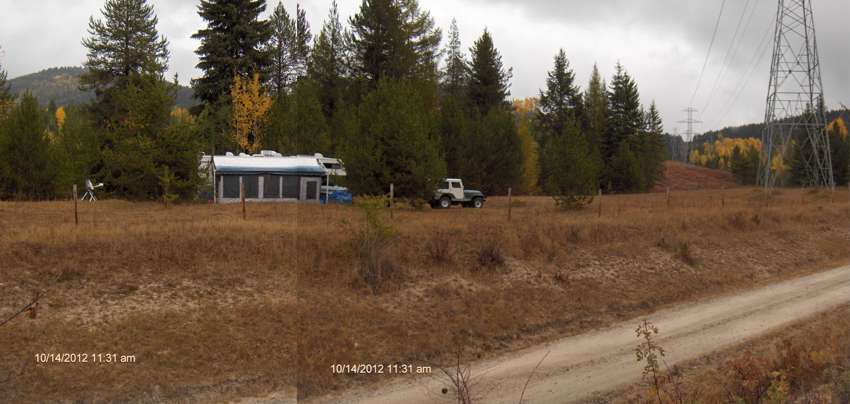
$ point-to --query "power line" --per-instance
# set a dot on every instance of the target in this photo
(710, 47)
(731, 51)
(758, 56)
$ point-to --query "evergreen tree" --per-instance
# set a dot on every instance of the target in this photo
(297, 124)
(495, 157)
(280, 47)
(5, 93)
(455, 75)
(569, 171)
(123, 47)
(393, 39)
(489, 81)
(78, 148)
(626, 174)
(231, 45)
(595, 111)
(653, 148)
(129, 151)
(26, 168)
(50, 118)
(624, 122)
(560, 103)
(124, 44)
(394, 143)
(327, 63)
(302, 41)
(572, 173)
(456, 136)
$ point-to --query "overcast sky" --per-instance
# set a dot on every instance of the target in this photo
(662, 43)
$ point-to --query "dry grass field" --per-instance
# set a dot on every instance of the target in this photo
(679, 176)
(808, 362)
(214, 307)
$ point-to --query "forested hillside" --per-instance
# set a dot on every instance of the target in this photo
(62, 86)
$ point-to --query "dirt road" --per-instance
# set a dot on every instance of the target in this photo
(600, 361)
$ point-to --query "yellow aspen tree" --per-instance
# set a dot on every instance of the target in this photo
(60, 117)
(251, 104)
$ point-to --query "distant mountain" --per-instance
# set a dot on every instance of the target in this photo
(62, 85)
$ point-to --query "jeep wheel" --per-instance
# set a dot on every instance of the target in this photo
(477, 203)
(445, 202)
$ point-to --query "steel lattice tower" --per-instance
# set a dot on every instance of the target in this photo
(795, 104)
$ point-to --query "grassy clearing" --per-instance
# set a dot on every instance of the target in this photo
(213, 305)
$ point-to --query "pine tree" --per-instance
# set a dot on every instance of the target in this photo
(280, 47)
(231, 45)
(326, 65)
(394, 143)
(626, 174)
(489, 81)
(297, 124)
(572, 173)
(624, 122)
(495, 157)
(26, 169)
(560, 103)
(653, 147)
(129, 140)
(455, 75)
(302, 41)
(595, 111)
(393, 39)
(125, 43)
(5, 93)
(558, 116)
(78, 147)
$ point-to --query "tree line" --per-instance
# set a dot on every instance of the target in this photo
(742, 157)
(381, 91)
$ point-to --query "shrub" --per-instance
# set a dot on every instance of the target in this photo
(438, 247)
(370, 245)
(490, 254)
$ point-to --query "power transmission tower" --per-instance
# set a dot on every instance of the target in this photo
(795, 112)
(689, 132)
(690, 121)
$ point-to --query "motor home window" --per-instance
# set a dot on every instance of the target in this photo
(252, 186)
(291, 187)
(231, 186)
(312, 190)
(271, 187)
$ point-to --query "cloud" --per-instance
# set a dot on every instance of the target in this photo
(662, 43)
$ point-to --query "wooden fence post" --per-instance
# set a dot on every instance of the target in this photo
(392, 200)
(600, 203)
(76, 216)
(510, 203)
(242, 198)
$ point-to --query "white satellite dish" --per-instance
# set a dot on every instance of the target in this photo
(90, 190)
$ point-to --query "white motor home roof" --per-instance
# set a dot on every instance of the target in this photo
(268, 165)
